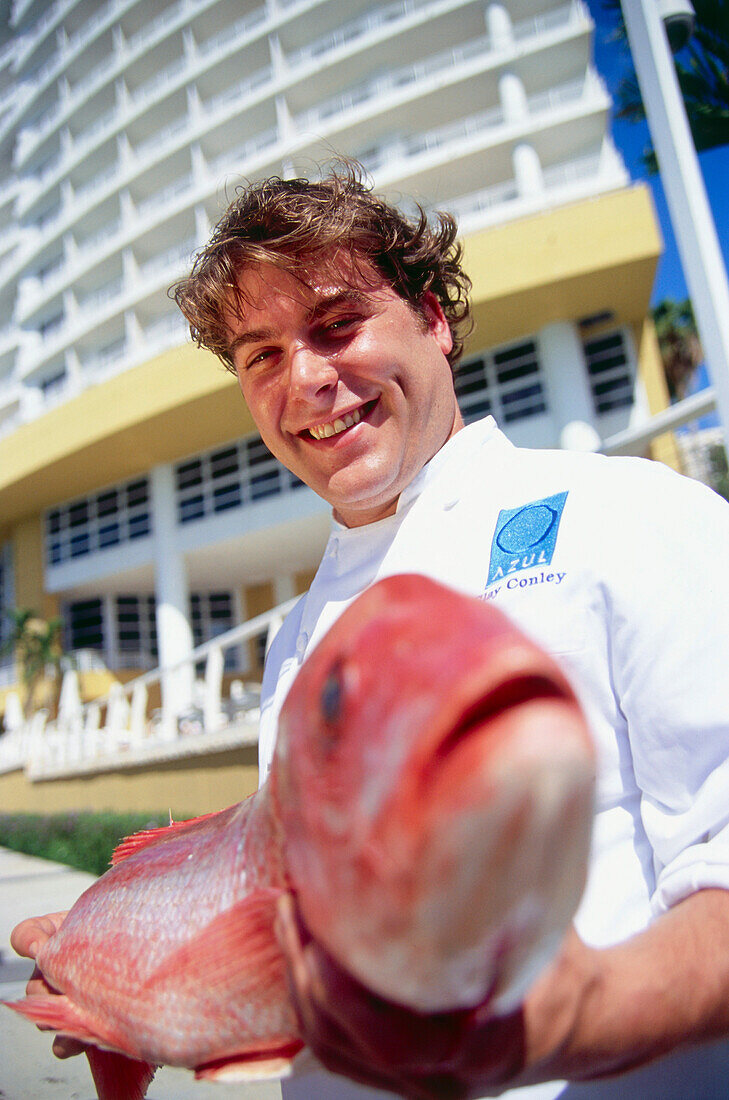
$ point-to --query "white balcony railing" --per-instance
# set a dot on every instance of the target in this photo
(89, 26)
(178, 254)
(145, 33)
(551, 20)
(164, 195)
(232, 34)
(121, 728)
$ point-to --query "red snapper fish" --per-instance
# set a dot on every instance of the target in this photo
(430, 805)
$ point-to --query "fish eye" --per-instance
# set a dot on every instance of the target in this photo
(331, 695)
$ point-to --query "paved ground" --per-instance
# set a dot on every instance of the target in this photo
(28, 1070)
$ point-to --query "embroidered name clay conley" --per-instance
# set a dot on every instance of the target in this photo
(525, 537)
(525, 582)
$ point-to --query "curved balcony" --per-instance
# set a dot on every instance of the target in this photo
(112, 120)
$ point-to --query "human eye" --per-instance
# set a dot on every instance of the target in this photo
(342, 325)
(258, 358)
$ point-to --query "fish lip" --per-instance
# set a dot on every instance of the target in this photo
(506, 695)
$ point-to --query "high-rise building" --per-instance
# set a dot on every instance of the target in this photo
(135, 497)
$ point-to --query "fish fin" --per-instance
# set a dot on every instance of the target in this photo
(240, 939)
(258, 1066)
(137, 841)
(59, 1013)
(117, 1077)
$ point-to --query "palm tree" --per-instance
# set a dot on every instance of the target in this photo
(37, 646)
(702, 68)
(679, 343)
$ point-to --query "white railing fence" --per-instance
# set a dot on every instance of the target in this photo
(122, 728)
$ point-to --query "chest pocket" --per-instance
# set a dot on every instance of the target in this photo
(549, 603)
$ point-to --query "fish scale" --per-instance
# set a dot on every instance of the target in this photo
(430, 760)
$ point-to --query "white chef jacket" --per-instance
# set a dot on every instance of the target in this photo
(616, 566)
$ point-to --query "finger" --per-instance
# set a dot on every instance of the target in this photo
(38, 985)
(66, 1047)
(28, 937)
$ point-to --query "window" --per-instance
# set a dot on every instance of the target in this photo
(7, 598)
(129, 640)
(211, 614)
(97, 522)
(53, 384)
(84, 625)
(52, 324)
(136, 631)
(610, 372)
(506, 383)
(231, 477)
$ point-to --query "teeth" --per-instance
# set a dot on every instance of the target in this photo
(325, 431)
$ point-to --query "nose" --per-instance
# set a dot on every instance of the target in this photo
(311, 373)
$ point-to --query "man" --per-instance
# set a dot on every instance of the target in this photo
(341, 320)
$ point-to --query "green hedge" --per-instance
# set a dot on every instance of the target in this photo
(82, 840)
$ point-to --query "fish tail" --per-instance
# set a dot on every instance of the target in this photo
(117, 1077)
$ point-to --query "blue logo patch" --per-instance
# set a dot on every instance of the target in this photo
(526, 536)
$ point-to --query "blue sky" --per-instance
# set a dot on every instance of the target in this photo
(631, 138)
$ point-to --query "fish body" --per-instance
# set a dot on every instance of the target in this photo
(429, 803)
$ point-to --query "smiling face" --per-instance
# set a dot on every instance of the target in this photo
(349, 387)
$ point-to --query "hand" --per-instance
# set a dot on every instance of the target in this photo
(27, 938)
(455, 1054)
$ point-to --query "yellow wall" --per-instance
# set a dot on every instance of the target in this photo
(564, 264)
(27, 544)
(196, 785)
(257, 599)
(664, 447)
(176, 404)
(302, 581)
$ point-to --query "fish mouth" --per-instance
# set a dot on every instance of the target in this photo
(507, 696)
(529, 720)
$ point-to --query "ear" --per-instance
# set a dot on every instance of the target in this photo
(436, 321)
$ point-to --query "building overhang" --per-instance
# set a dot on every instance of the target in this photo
(596, 257)
(176, 404)
(589, 260)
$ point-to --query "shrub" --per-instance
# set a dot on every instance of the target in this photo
(81, 840)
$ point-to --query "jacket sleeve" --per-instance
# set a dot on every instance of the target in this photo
(670, 662)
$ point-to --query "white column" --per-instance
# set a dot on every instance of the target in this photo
(563, 364)
(194, 104)
(202, 223)
(111, 632)
(498, 24)
(513, 97)
(73, 368)
(174, 631)
(527, 170)
(278, 58)
(284, 121)
(70, 304)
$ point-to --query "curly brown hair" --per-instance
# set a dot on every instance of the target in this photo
(291, 222)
